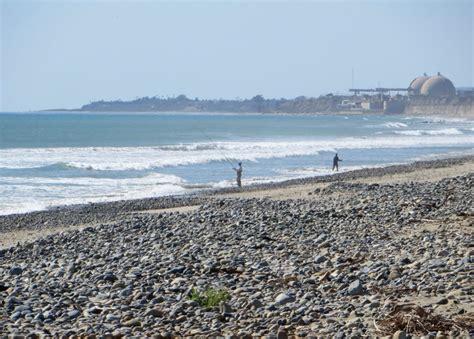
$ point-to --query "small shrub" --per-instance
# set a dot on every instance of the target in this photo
(210, 297)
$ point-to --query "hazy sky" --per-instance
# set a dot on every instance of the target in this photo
(68, 53)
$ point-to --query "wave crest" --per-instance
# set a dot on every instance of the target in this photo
(446, 131)
(145, 158)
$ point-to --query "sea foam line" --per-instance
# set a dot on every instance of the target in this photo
(142, 158)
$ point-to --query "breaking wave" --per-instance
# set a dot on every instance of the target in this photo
(446, 131)
(39, 193)
(395, 124)
(144, 158)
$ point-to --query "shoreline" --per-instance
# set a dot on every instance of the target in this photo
(24, 227)
(449, 115)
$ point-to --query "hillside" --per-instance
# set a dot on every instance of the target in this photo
(182, 103)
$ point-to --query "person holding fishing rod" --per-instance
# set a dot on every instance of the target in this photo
(239, 174)
(238, 170)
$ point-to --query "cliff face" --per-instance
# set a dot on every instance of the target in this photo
(454, 106)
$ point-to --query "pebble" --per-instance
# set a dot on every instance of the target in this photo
(355, 288)
(283, 299)
(16, 270)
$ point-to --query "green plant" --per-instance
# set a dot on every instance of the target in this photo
(210, 297)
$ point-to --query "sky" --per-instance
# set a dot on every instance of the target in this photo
(64, 54)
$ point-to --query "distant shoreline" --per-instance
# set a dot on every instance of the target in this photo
(324, 104)
(79, 111)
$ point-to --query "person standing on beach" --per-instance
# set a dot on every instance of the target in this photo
(335, 163)
(239, 174)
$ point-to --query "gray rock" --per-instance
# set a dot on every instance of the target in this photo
(282, 334)
(73, 314)
(111, 317)
(23, 309)
(16, 270)
(131, 323)
(126, 292)
(154, 312)
(16, 315)
(256, 303)
(436, 263)
(225, 308)
(443, 253)
(320, 259)
(39, 317)
(283, 299)
(399, 335)
(355, 288)
(442, 301)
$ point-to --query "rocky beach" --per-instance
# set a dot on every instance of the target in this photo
(373, 252)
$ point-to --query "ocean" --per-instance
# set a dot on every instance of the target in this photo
(61, 158)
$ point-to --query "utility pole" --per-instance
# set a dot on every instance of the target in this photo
(353, 80)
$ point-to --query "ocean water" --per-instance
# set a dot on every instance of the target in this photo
(51, 159)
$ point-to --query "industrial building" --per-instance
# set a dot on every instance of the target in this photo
(421, 88)
(435, 86)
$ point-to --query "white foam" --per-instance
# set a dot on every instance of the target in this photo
(395, 124)
(446, 131)
(36, 193)
(141, 158)
(304, 172)
(434, 156)
(443, 120)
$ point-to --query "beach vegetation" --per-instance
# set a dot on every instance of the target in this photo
(210, 297)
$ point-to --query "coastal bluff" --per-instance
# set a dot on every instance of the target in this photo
(327, 104)
(462, 107)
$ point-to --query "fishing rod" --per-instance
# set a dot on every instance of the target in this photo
(212, 141)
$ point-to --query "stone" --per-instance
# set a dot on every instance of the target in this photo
(256, 303)
(154, 312)
(282, 334)
(225, 308)
(110, 277)
(436, 263)
(16, 270)
(126, 292)
(16, 315)
(443, 253)
(39, 317)
(395, 273)
(111, 317)
(23, 309)
(131, 323)
(442, 301)
(283, 299)
(73, 314)
(355, 288)
(320, 259)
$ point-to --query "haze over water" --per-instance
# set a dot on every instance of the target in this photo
(51, 159)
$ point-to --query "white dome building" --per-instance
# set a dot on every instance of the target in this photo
(433, 86)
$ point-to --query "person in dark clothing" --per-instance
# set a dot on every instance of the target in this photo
(335, 163)
(239, 174)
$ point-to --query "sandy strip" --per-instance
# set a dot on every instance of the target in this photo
(9, 239)
(302, 191)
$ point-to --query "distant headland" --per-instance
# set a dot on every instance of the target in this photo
(424, 95)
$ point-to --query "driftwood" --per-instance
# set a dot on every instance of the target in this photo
(414, 319)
